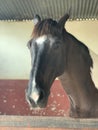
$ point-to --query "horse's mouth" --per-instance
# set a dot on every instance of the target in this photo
(34, 106)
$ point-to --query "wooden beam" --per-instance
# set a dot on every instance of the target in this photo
(30, 128)
(46, 122)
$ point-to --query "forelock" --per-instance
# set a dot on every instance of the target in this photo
(45, 27)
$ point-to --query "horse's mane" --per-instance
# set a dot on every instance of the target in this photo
(84, 51)
(89, 56)
(86, 54)
(47, 26)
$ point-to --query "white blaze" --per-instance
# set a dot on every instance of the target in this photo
(40, 43)
(41, 40)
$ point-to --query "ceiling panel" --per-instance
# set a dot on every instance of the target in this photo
(26, 9)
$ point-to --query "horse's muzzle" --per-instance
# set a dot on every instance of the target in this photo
(36, 100)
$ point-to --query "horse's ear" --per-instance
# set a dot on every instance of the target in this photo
(63, 20)
(36, 19)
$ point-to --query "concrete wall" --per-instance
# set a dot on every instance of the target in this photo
(15, 57)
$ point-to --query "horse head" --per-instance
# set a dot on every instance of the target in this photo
(48, 50)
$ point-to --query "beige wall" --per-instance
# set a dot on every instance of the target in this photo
(14, 55)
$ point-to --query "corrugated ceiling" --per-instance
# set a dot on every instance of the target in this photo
(26, 9)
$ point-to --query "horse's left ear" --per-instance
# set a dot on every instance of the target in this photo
(63, 20)
(36, 19)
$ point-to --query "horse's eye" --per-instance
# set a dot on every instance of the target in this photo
(29, 43)
(56, 45)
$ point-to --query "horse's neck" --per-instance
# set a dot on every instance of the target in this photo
(77, 80)
(82, 101)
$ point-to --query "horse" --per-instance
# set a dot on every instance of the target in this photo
(57, 53)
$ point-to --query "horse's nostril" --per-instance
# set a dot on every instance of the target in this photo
(30, 100)
(41, 95)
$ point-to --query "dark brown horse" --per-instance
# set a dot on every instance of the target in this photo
(55, 52)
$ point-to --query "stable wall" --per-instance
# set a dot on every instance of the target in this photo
(14, 54)
(15, 57)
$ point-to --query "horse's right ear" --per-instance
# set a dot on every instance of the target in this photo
(63, 20)
(36, 19)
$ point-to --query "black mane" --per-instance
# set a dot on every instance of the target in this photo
(84, 50)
